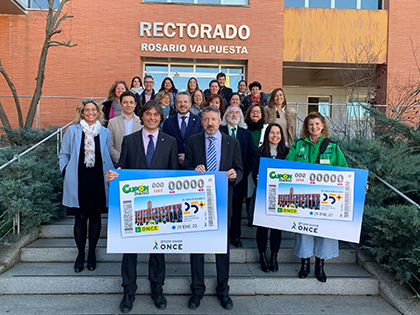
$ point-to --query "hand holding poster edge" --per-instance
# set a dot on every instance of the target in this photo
(336, 229)
(191, 242)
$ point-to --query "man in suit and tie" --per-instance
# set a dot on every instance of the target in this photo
(182, 125)
(211, 150)
(148, 148)
(123, 125)
(234, 125)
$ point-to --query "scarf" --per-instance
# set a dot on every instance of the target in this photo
(90, 133)
(252, 126)
(137, 90)
(117, 108)
(255, 99)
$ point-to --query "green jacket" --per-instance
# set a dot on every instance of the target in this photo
(304, 150)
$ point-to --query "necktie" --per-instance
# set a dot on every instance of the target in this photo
(211, 155)
(233, 132)
(183, 126)
(150, 150)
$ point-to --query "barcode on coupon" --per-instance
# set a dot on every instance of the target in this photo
(209, 205)
(346, 199)
(128, 216)
(272, 197)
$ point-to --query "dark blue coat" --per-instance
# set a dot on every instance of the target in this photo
(171, 127)
(244, 137)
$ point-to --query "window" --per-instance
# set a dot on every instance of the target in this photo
(320, 104)
(181, 73)
(337, 4)
(356, 110)
(41, 4)
(216, 2)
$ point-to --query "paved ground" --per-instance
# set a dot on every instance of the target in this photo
(260, 304)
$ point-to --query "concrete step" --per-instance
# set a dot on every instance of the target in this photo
(246, 279)
(64, 250)
(64, 229)
(177, 304)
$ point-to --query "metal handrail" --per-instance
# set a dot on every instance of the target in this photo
(17, 157)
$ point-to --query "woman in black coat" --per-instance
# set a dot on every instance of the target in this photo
(274, 147)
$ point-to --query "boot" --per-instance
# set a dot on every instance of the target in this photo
(264, 263)
(274, 265)
(319, 270)
(305, 269)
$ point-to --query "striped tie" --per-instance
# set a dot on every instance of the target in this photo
(211, 155)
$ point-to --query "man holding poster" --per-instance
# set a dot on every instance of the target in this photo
(213, 151)
(148, 148)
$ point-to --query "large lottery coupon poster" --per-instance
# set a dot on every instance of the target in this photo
(311, 199)
(168, 211)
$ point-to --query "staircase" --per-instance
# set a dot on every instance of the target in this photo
(46, 270)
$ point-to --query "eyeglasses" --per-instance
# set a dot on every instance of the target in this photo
(255, 112)
(148, 82)
(234, 113)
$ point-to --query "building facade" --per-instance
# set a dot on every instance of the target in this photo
(322, 52)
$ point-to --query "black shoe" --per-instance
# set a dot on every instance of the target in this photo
(78, 265)
(264, 263)
(160, 301)
(194, 302)
(305, 269)
(127, 303)
(236, 242)
(319, 270)
(274, 265)
(91, 263)
(226, 302)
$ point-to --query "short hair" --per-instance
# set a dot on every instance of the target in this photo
(220, 75)
(148, 76)
(241, 123)
(255, 83)
(81, 107)
(214, 81)
(148, 106)
(304, 133)
(212, 97)
(111, 92)
(272, 97)
(184, 93)
(250, 108)
(132, 81)
(281, 147)
(162, 86)
(210, 109)
(127, 93)
(161, 95)
(203, 99)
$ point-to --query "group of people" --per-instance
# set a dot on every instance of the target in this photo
(228, 136)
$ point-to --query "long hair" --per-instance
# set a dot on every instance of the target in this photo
(304, 133)
(132, 81)
(162, 86)
(81, 107)
(282, 150)
(203, 98)
(111, 92)
(250, 108)
(212, 97)
(272, 97)
(188, 85)
(241, 123)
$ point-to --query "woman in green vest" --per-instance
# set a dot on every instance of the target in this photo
(315, 147)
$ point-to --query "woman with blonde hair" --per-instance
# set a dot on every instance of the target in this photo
(112, 107)
(84, 159)
(197, 101)
(278, 112)
(165, 101)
